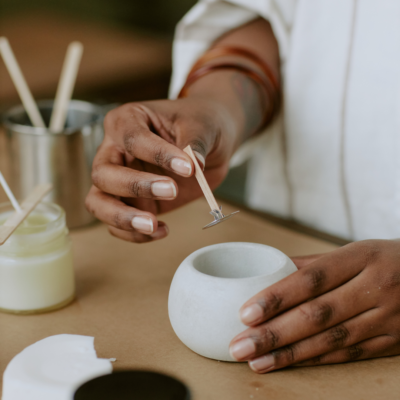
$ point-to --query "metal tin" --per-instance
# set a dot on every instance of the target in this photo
(36, 155)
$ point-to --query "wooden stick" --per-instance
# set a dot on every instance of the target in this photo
(202, 180)
(17, 77)
(27, 206)
(66, 86)
(9, 193)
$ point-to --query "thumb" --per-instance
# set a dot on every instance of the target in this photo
(200, 149)
(200, 159)
(201, 137)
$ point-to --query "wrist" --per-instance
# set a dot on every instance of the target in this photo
(239, 100)
(242, 80)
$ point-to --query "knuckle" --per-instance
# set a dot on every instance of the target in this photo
(354, 352)
(122, 221)
(129, 141)
(271, 303)
(285, 356)
(134, 188)
(161, 158)
(267, 338)
(317, 313)
(139, 189)
(369, 249)
(337, 337)
(390, 280)
(117, 219)
(315, 279)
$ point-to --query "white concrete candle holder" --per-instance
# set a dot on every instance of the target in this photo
(212, 284)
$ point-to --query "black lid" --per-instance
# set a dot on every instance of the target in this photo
(133, 385)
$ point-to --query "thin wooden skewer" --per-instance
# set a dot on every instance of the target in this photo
(27, 206)
(9, 193)
(202, 180)
(19, 81)
(66, 86)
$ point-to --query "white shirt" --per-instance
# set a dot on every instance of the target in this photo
(332, 158)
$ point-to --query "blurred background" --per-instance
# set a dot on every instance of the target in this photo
(127, 54)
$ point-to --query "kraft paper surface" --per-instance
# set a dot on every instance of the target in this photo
(122, 292)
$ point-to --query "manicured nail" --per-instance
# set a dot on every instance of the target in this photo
(243, 349)
(163, 189)
(143, 224)
(200, 158)
(262, 364)
(182, 167)
(251, 314)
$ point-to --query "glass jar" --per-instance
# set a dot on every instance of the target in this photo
(36, 266)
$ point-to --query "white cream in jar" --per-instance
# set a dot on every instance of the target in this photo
(36, 266)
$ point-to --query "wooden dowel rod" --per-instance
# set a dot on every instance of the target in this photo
(17, 77)
(202, 180)
(9, 193)
(27, 206)
(66, 86)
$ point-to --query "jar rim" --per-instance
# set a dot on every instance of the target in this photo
(77, 105)
(194, 261)
(59, 212)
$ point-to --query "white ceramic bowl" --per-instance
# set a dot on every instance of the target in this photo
(212, 284)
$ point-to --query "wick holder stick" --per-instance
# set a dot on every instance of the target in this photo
(20, 83)
(216, 210)
(66, 86)
(27, 206)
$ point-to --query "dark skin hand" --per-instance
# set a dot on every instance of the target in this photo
(140, 169)
(341, 306)
(135, 170)
(338, 307)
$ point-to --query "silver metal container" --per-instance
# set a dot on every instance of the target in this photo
(35, 155)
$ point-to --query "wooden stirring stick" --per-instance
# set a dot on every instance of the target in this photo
(202, 180)
(66, 86)
(27, 206)
(216, 210)
(25, 94)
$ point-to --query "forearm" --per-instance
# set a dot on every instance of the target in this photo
(244, 99)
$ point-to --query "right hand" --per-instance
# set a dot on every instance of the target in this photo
(140, 169)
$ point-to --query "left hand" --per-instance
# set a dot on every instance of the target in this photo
(340, 306)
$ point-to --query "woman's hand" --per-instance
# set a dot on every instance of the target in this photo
(140, 169)
(340, 306)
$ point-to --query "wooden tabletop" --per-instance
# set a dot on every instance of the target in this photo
(122, 292)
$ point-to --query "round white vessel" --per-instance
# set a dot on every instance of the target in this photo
(212, 284)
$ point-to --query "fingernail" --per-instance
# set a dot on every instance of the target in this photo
(182, 167)
(243, 349)
(262, 364)
(200, 158)
(163, 189)
(251, 314)
(143, 224)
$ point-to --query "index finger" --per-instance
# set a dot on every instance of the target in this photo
(320, 276)
(130, 129)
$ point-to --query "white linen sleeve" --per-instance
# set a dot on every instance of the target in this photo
(209, 19)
